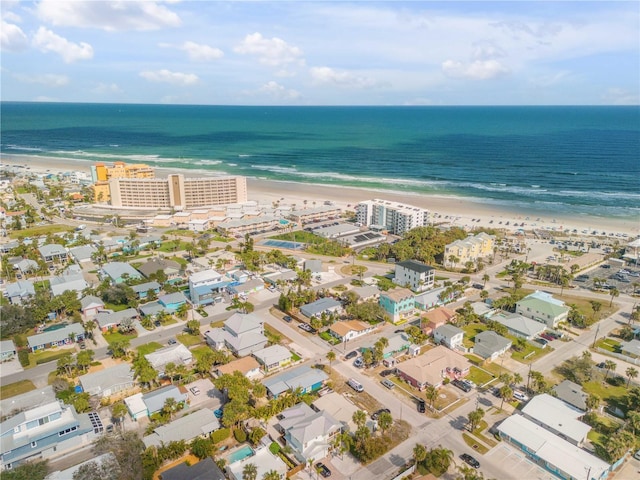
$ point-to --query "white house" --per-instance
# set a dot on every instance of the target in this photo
(350, 329)
(448, 335)
(542, 307)
(242, 334)
(416, 275)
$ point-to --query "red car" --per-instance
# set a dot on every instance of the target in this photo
(546, 336)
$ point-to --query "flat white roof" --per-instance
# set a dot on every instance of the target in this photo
(558, 415)
(552, 449)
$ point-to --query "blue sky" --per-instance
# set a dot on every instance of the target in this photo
(322, 53)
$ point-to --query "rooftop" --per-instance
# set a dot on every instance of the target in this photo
(415, 265)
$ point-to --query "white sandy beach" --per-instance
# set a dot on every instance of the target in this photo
(455, 210)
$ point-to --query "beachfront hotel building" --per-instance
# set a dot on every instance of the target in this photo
(395, 217)
(177, 192)
(101, 174)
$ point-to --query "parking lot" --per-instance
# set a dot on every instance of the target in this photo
(511, 460)
(606, 277)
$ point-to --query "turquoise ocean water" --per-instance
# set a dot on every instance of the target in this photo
(556, 160)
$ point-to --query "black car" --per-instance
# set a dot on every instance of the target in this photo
(323, 470)
(287, 318)
(399, 331)
(461, 385)
(470, 460)
(386, 373)
(351, 355)
(422, 407)
(376, 414)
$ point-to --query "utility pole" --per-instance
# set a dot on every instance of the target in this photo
(596, 336)
(528, 377)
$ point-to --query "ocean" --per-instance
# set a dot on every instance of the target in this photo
(555, 160)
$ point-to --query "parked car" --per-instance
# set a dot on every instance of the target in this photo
(422, 406)
(470, 460)
(376, 414)
(469, 383)
(547, 336)
(287, 318)
(520, 396)
(195, 391)
(351, 355)
(358, 363)
(388, 383)
(218, 413)
(356, 385)
(307, 328)
(461, 385)
(541, 341)
(386, 373)
(172, 341)
(323, 470)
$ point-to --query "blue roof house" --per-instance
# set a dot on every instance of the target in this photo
(304, 377)
(322, 305)
(398, 303)
(118, 272)
(172, 301)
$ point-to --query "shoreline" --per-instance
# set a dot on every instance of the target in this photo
(456, 211)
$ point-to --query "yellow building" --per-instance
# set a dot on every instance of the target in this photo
(102, 174)
(471, 248)
(101, 192)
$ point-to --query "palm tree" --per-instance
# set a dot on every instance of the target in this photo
(249, 472)
(505, 392)
(385, 420)
(517, 378)
(419, 453)
(614, 292)
(485, 279)
(271, 475)
(592, 401)
(118, 412)
(595, 307)
(609, 365)
(331, 356)
(475, 417)
(631, 373)
(431, 393)
(453, 260)
(439, 460)
(359, 418)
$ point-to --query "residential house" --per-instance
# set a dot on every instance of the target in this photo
(542, 307)
(307, 432)
(142, 289)
(283, 276)
(367, 292)
(550, 451)
(90, 305)
(109, 320)
(205, 469)
(264, 461)
(399, 304)
(417, 276)
(104, 461)
(52, 252)
(518, 325)
(436, 318)
(45, 432)
(248, 366)
(273, 357)
(155, 400)
(241, 333)
(71, 280)
(7, 350)
(326, 305)
(20, 292)
(108, 381)
(200, 423)
(136, 406)
(350, 329)
(558, 417)
(25, 266)
(304, 377)
(25, 401)
(398, 344)
(489, 345)
(448, 335)
(250, 286)
(177, 354)
(56, 338)
(571, 393)
(170, 268)
(339, 408)
(471, 248)
(119, 272)
(83, 253)
(172, 301)
(631, 348)
(432, 367)
(206, 287)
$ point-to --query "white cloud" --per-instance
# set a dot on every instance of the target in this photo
(108, 15)
(167, 76)
(104, 88)
(12, 38)
(477, 70)
(201, 53)
(329, 76)
(47, 41)
(276, 90)
(619, 96)
(11, 17)
(48, 79)
(274, 52)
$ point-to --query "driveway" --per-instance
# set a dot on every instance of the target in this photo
(209, 396)
(517, 463)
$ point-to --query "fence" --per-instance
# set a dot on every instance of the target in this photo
(635, 361)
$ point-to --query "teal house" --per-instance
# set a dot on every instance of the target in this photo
(399, 304)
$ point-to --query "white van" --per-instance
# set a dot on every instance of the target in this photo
(357, 386)
(637, 455)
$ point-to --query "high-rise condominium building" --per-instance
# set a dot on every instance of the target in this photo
(393, 216)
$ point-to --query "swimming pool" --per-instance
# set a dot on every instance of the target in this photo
(240, 454)
(283, 244)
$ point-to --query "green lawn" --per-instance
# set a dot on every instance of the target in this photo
(605, 391)
(13, 389)
(529, 352)
(171, 246)
(44, 356)
(199, 351)
(180, 260)
(474, 444)
(295, 357)
(478, 376)
(117, 336)
(189, 340)
(609, 344)
(494, 368)
(148, 348)
(470, 332)
(299, 236)
(114, 307)
(40, 231)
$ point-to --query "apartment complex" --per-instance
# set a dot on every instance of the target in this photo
(101, 174)
(177, 192)
(395, 217)
(471, 248)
